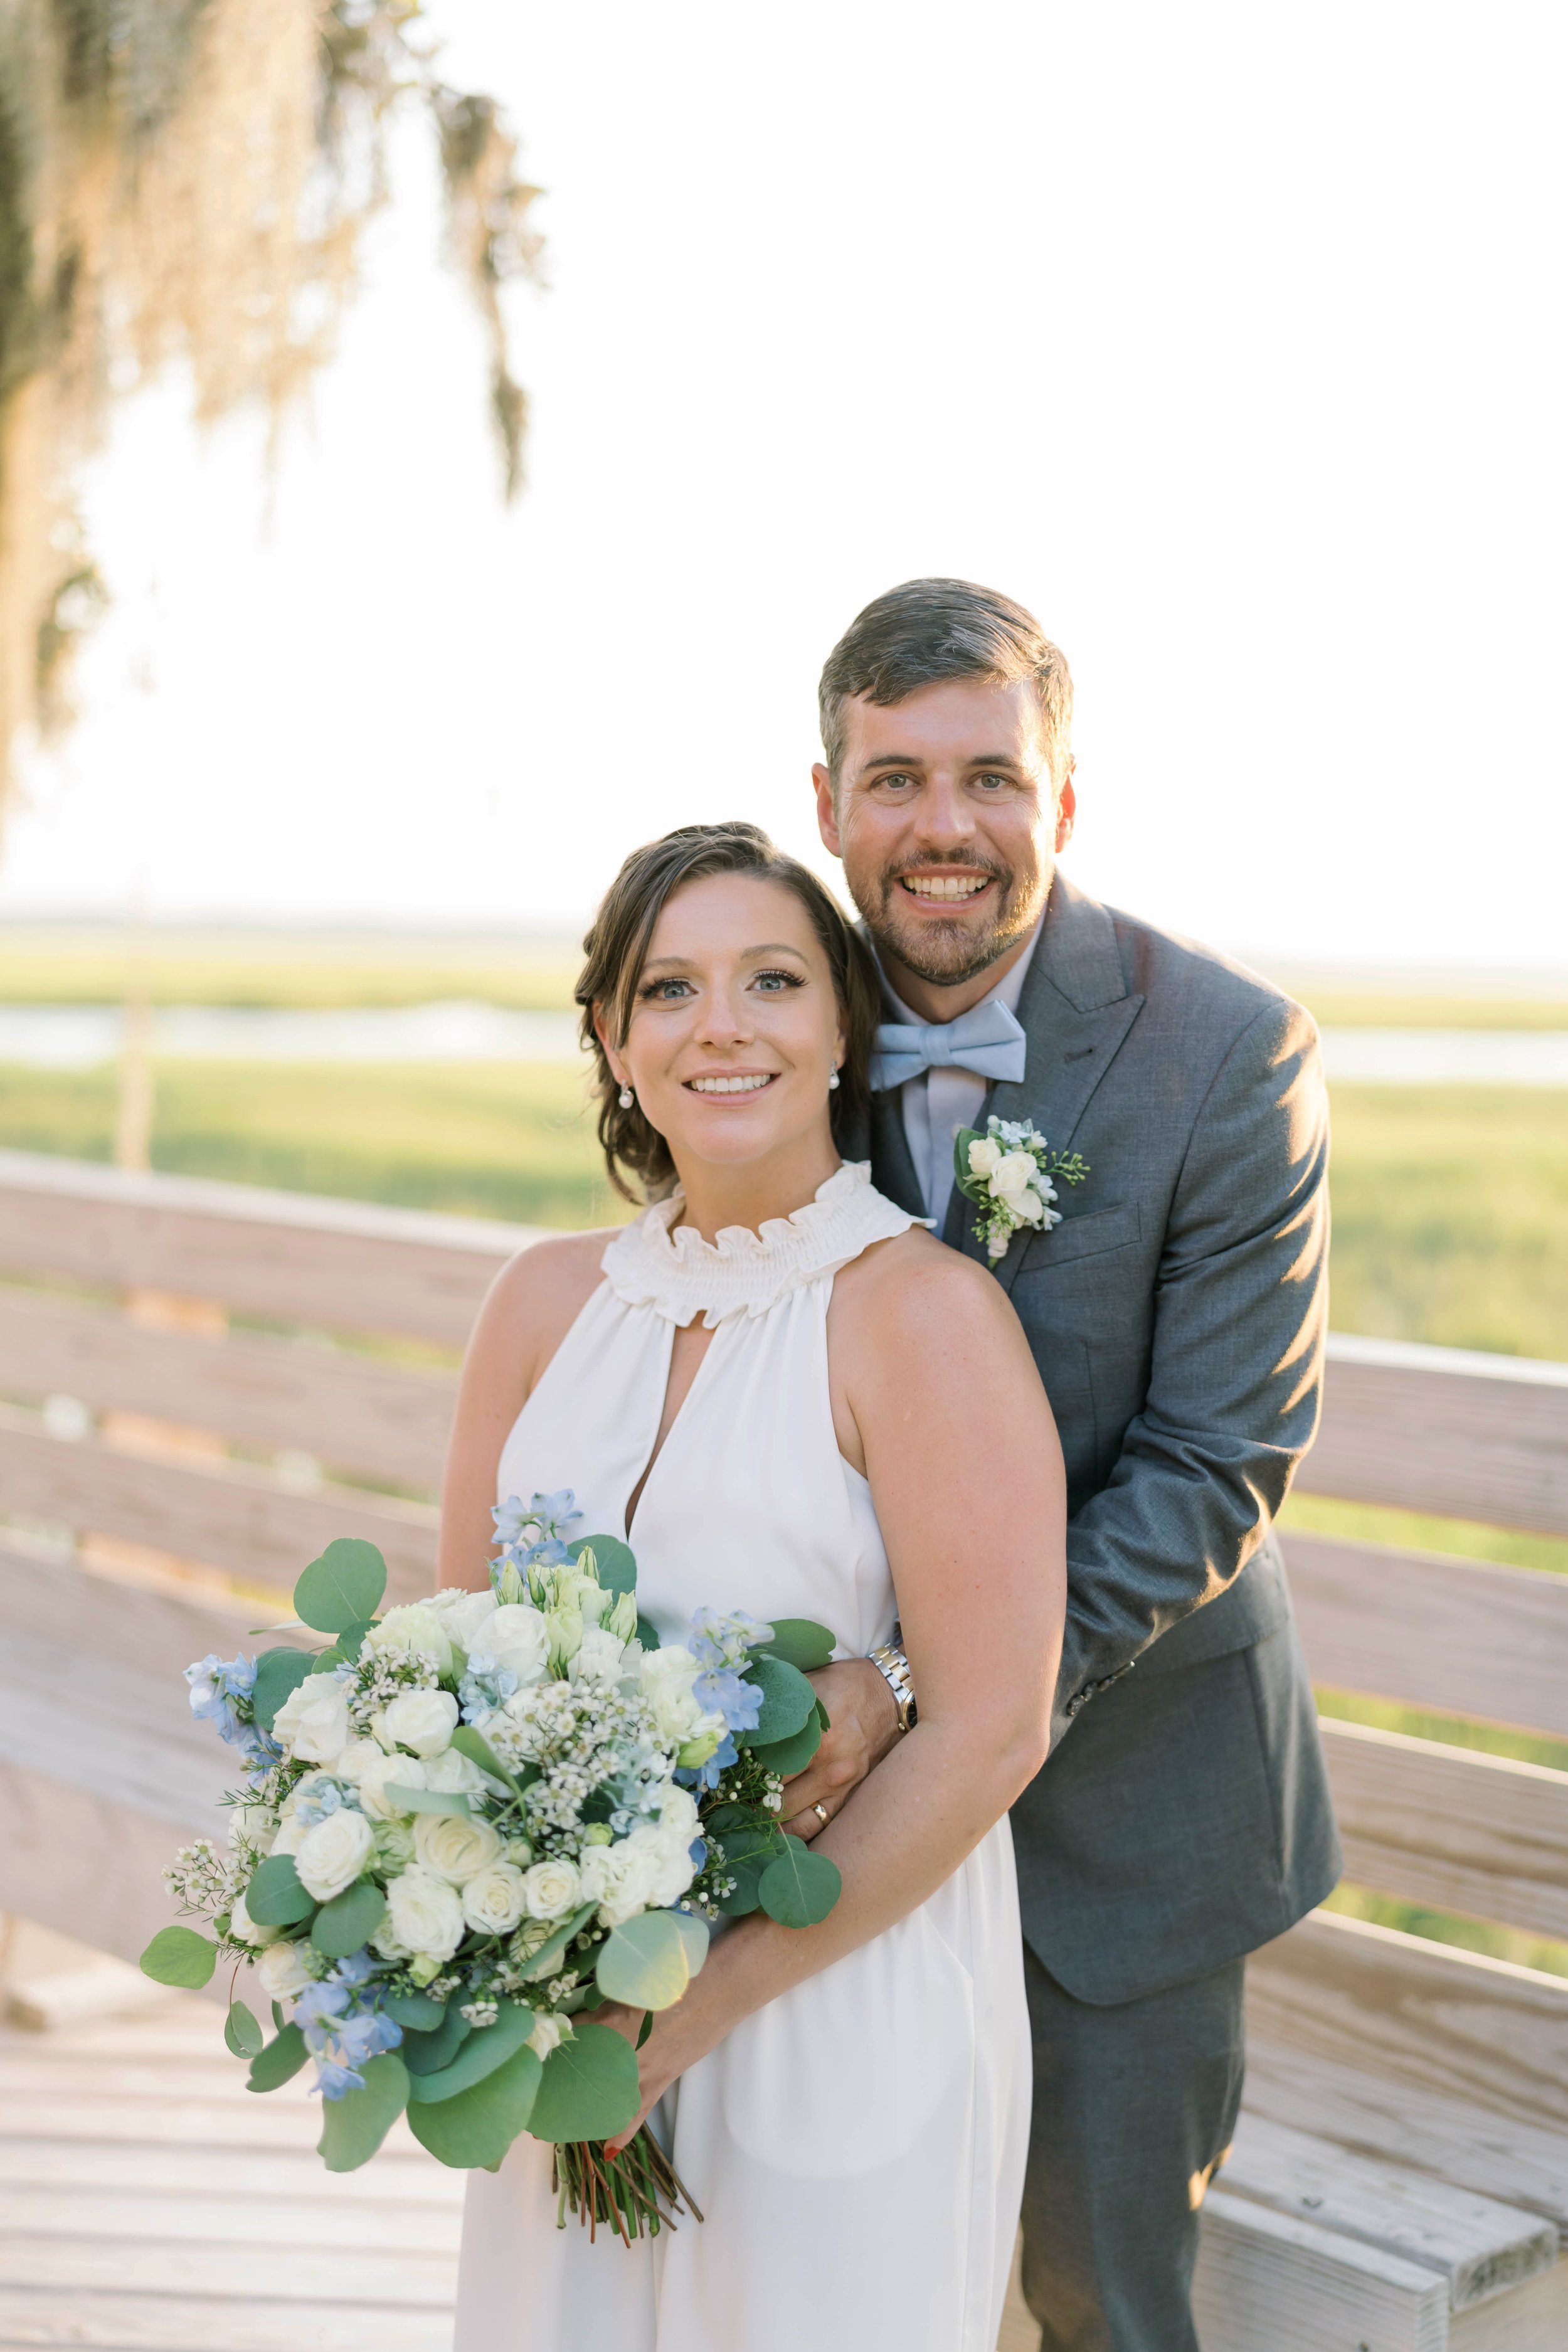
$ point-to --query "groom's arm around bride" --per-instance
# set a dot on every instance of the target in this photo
(1176, 1314)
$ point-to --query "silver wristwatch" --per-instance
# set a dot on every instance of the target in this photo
(894, 1668)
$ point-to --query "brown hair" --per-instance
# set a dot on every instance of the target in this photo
(927, 630)
(616, 948)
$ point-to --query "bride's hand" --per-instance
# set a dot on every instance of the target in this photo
(863, 1718)
(662, 2060)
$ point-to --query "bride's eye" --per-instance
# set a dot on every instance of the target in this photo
(664, 992)
(775, 982)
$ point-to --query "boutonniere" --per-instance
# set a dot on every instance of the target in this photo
(1011, 1172)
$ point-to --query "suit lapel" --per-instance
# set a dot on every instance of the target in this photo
(1074, 1010)
(892, 1169)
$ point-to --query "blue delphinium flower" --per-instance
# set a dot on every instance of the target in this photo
(484, 1686)
(721, 1691)
(216, 1682)
(341, 2032)
(706, 1776)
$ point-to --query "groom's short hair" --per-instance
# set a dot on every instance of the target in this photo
(929, 630)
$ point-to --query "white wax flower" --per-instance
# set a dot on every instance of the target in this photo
(332, 1855)
(314, 1721)
(280, 1972)
(424, 1720)
(424, 1913)
(494, 1900)
(455, 1845)
(550, 1888)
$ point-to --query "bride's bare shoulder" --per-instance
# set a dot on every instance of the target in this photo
(910, 1289)
(539, 1294)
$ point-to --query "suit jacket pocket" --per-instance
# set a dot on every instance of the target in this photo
(1088, 1234)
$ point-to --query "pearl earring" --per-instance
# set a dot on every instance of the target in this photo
(626, 1098)
(832, 1080)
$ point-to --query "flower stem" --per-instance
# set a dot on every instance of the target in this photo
(637, 2194)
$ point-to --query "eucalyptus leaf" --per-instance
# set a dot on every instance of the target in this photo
(426, 2054)
(548, 1957)
(589, 2089)
(425, 1800)
(414, 2011)
(478, 2054)
(343, 1588)
(801, 1887)
(744, 1896)
(348, 1921)
(643, 1962)
(327, 1662)
(648, 1634)
(613, 1559)
(178, 1956)
(275, 1897)
(277, 2016)
(788, 1756)
(279, 2062)
(800, 1642)
(242, 2031)
(353, 2127)
(694, 1935)
(787, 1700)
(475, 2129)
(277, 1672)
(478, 1749)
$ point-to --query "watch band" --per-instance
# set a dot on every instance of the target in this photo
(894, 1668)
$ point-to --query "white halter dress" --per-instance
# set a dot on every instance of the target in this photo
(857, 2146)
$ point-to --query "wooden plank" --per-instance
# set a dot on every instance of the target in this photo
(46, 2320)
(153, 1633)
(1398, 2122)
(205, 2219)
(1437, 1429)
(1459, 1636)
(418, 2184)
(78, 1862)
(310, 2274)
(290, 1257)
(374, 1420)
(1533, 2318)
(1469, 2027)
(1269, 2281)
(223, 1513)
(1448, 1826)
(1479, 2247)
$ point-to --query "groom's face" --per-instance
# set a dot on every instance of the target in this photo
(946, 820)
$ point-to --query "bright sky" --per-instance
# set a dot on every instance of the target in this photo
(1229, 339)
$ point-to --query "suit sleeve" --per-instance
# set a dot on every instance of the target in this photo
(1236, 1374)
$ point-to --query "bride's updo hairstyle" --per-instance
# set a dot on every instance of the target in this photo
(617, 948)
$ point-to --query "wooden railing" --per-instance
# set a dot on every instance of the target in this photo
(200, 1384)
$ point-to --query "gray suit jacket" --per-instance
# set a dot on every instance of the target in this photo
(1177, 1316)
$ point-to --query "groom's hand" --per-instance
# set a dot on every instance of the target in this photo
(863, 1716)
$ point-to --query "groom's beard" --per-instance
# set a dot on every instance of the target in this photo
(950, 950)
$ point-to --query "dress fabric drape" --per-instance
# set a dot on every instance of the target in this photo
(857, 2145)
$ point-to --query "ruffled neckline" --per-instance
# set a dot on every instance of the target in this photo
(681, 1275)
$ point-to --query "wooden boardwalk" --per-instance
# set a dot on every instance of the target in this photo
(149, 2202)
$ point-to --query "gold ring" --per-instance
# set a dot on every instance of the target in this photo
(823, 1815)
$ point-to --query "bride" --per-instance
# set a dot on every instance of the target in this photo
(794, 1401)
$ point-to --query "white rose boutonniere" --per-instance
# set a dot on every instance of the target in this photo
(1011, 1174)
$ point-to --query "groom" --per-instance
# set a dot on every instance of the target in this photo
(1176, 1315)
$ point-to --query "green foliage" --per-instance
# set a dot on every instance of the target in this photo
(478, 2126)
(589, 2089)
(787, 1756)
(788, 1701)
(425, 1800)
(644, 1962)
(427, 2052)
(178, 1956)
(694, 1935)
(278, 1674)
(343, 1588)
(615, 1560)
(275, 1897)
(548, 1957)
(353, 2127)
(478, 1749)
(414, 2011)
(242, 2031)
(478, 2054)
(279, 2062)
(801, 1887)
(348, 1921)
(800, 1643)
(648, 1634)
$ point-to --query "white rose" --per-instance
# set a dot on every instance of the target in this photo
(601, 1658)
(292, 1834)
(983, 1155)
(493, 1899)
(332, 1855)
(424, 1913)
(667, 1677)
(374, 1771)
(455, 1774)
(424, 1720)
(464, 1613)
(619, 1878)
(551, 1889)
(1014, 1174)
(256, 1824)
(455, 1845)
(516, 1638)
(666, 1858)
(281, 1972)
(415, 1631)
(548, 2035)
(247, 1931)
(314, 1721)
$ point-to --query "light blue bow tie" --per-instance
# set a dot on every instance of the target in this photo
(987, 1040)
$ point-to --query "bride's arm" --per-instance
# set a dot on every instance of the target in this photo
(966, 1475)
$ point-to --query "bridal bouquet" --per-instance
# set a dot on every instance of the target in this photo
(1009, 1174)
(467, 1822)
